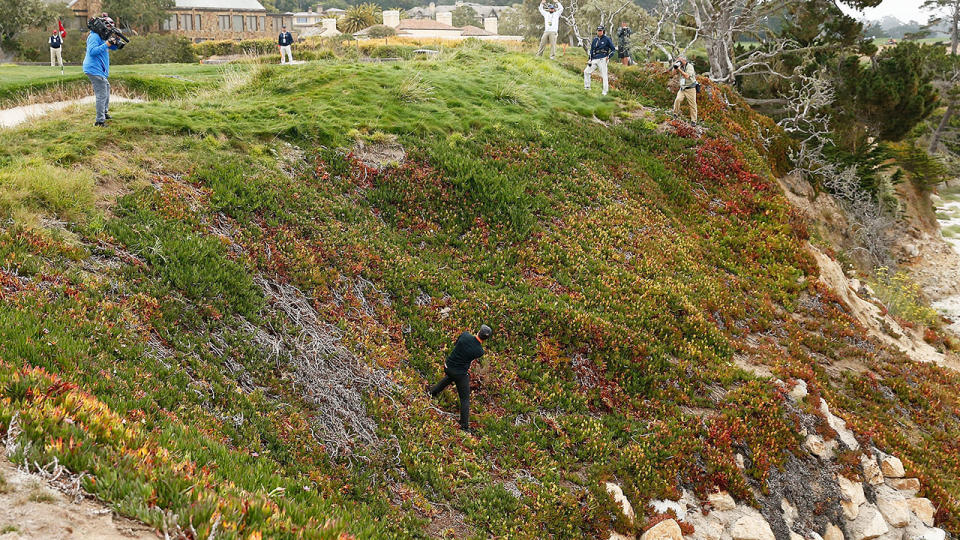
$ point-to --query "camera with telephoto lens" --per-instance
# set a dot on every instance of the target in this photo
(676, 65)
(104, 28)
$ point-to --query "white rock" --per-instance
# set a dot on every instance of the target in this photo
(738, 459)
(892, 534)
(721, 501)
(752, 528)
(919, 531)
(818, 447)
(667, 529)
(709, 529)
(799, 390)
(833, 532)
(923, 509)
(839, 426)
(795, 536)
(869, 524)
(893, 506)
(908, 485)
(892, 467)
(621, 499)
(614, 535)
(662, 507)
(789, 512)
(871, 470)
(851, 490)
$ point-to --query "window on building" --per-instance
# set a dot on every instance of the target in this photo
(263, 24)
(186, 22)
(223, 22)
(196, 22)
(301, 20)
(252, 23)
(238, 23)
(170, 23)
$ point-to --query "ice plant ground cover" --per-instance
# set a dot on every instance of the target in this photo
(227, 318)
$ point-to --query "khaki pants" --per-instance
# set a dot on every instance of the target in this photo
(600, 64)
(552, 37)
(690, 94)
(286, 51)
(56, 57)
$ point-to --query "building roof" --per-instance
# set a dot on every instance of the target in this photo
(424, 24)
(473, 31)
(482, 10)
(245, 5)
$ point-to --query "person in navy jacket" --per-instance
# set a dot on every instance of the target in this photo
(96, 65)
(284, 42)
(601, 49)
(56, 49)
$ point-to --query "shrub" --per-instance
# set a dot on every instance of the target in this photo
(155, 49)
(902, 297)
(247, 46)
(381, 31)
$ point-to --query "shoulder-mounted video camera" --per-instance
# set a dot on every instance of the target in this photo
(104, 27)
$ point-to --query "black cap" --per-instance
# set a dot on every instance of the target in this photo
(601, 28)
(484, 332)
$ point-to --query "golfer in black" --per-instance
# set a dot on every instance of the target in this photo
(457, 369)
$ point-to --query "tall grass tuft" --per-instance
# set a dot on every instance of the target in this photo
(414, 89)
(512, 92)
(30, 189)
(903, 297)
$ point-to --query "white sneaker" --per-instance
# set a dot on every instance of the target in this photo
(603, 93)
(551, 58)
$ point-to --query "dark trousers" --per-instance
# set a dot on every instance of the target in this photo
(463, 391)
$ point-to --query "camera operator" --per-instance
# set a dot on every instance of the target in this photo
(601, 49)
(96, 66)
(551, 25)
(683, 70)
(623, 42)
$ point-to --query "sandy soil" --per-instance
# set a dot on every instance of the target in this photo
(31, 508)
(17, 115)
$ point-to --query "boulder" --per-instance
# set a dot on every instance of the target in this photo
(910, 485)
(923, 509)
(816, 446)
(892, 467)
(851, 497)
(667, 529)
(893, 506)
(871, 470)
(838, 425)
(869, 524)
(789, 512)
(709, 529)
(721, 501)
(918, 531)
(621, 499)
(752, 528)
(833, 532)
(799, 390)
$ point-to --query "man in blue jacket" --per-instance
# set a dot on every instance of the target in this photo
(456, 370)
(96, 65)
(284, 42)
(601, 49)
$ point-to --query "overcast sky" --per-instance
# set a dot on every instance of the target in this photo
(905, 10)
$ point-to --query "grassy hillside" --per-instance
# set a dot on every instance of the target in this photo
(225, 314)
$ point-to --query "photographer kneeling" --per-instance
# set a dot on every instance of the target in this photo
(601, 49)
(96, 63)
(688, 87)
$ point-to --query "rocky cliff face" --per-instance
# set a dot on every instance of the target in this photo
(836, 490)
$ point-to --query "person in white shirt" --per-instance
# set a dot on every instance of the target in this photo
(551, 25)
